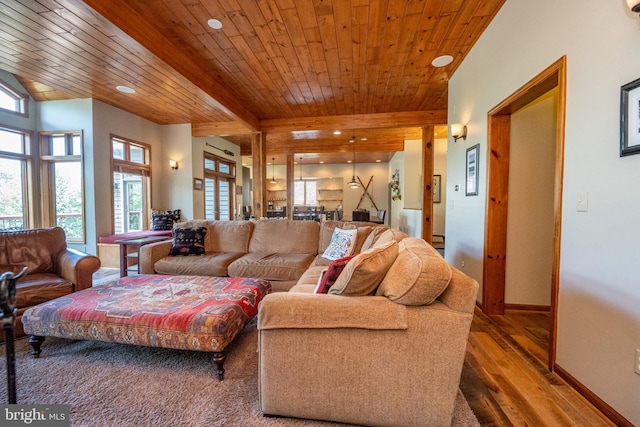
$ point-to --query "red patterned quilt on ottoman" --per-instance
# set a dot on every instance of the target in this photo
(180, 312)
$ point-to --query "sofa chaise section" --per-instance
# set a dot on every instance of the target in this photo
(368, 360)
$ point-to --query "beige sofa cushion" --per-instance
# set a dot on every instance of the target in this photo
(271, 266)
(363, 274)
(201, 265)
(223, 236)
(418, 275)
(285, 237)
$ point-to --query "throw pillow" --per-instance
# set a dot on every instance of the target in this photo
(418, 276)
(188, 241)
(162, 221)
(331, 274)
(342, 244)
(364, 273)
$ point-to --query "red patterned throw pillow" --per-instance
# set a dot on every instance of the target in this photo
(331, 275)
(188, 241)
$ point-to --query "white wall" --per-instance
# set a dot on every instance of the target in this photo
(173, 184)
(598, 318)
(406, 213)
(530, 224)
(406, 220)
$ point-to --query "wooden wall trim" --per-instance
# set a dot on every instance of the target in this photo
(290, 174)
(427, 182)
(495, 246)
(593, 398)
(527, 307)
(259, 175)
(495, 227)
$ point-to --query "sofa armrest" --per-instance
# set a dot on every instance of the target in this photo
(77, 267)
(282, 310)
(152, 253)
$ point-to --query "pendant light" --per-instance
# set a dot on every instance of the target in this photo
(273, 170)
(353, 183)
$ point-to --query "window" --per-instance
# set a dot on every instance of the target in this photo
(219, 182)
(304, 193)
(11, 100)
(14, 162)
(63, 204)
(131, 185)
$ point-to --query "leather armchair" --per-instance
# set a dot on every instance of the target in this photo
(53, 269)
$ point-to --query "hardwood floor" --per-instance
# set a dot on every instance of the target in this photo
(505, 377)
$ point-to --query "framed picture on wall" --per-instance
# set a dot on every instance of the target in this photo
(471, 187)
(436, 188)
(198, 183)
(630, 118)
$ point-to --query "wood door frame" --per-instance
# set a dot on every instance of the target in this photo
(499, 140)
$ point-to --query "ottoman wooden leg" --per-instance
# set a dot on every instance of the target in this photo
(219, 358)
(35, 341)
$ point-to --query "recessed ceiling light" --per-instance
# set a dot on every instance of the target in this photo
(442, 61)
(348, 161)
(378, 161)
(363, 139)
(336, 132)
(215, 24)
(125, 89)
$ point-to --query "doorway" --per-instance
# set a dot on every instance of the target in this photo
(499, 144)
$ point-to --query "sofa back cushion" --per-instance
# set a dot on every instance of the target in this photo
(285, 237)
(36, 249)
(223, 236)
(364, 272)
(418, 275)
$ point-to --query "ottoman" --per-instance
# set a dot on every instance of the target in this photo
(179, 312)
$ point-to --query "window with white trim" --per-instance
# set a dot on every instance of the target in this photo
(219, 184)
(61, 173)
(14, 184)
(131, 185)
(12, 100)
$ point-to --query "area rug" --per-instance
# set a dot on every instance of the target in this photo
(121, 385)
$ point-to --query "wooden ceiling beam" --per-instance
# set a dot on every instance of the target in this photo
(124, 16)
(219, 129)
(323, 147)
(356, 121)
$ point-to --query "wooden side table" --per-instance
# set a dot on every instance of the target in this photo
(125, 256)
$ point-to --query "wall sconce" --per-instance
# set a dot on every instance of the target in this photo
(459, 131)
(634, 5)
(173, 164)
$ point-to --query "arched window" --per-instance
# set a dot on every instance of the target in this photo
(12, 100)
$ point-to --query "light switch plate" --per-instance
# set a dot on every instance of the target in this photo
(582, 202)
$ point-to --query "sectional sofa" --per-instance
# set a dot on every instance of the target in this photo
(278, 250)
(384, 347)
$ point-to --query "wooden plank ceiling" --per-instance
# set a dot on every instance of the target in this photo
(295, 69)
